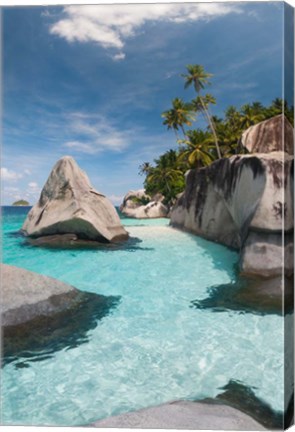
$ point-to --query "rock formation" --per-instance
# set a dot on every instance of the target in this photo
(39, 312)
(183, 415)
(69, 205)
(139, 205)
(27, 295)
(267, 136)
(245, 202)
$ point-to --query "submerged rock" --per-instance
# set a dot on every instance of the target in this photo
(40, 314)
(139, 205)
(267, 136)
(69, 205)
(244, 202)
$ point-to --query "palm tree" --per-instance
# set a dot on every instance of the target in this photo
(144, 168)
(179, 115)
(250, 116)
(165, 177)
(199, 78)
(277, 107)
(195, 151)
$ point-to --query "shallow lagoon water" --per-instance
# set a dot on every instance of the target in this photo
(153, 346)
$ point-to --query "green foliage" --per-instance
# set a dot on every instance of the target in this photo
(21, 203)
(140, 201)
(179, 115)
(198, 147)
(166, 176)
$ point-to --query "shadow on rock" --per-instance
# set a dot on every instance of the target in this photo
(239, 396)
(71, 241)
(258, 296)
(39, 338)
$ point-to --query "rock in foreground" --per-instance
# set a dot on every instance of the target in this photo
(41, 314)
(69, 205)
(183, 415)
(139, 205)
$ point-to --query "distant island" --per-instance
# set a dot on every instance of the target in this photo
(21, 203)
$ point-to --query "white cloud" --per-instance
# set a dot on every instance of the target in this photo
(27, 172)
(111, 25)
(94, 133)
(119, 56)
(9, 175)
(80, 147)
(33, 185)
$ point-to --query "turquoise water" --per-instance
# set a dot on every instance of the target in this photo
(153, 346)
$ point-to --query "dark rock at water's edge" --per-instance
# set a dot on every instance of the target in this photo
(239, 202)
(69, 205)
(41, 315)
(268, 136)
(43, 336)
(69, 241)
(251, 295)
(73, 243)
(241, 397)
(139, 205)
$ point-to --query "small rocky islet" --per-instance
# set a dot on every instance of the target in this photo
(236, 201)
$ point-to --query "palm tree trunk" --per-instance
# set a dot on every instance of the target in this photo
(211, 127)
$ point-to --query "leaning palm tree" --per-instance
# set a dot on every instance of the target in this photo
(199, 78)
(179, 115)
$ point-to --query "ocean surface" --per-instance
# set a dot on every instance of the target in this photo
(152, 346)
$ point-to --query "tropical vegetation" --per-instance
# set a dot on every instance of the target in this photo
(200, 146)
(21, 203)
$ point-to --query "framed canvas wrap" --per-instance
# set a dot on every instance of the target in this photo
(147, 201)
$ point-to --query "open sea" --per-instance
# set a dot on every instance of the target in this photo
(152, 345)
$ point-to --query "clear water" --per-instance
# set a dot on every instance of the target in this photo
(153, 347)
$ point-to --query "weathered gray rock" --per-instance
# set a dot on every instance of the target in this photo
(69, 205)
(183, 415)
(27, 295)
(265, 254)
(139, 205)
(41, 315)
(245, 202)
(134, 199)
(268, 136)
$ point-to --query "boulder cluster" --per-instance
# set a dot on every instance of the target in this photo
(138, 204)
(246, 201)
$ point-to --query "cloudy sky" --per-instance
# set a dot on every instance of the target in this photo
(92, 82)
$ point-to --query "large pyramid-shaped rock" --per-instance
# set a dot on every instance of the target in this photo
(69, 205)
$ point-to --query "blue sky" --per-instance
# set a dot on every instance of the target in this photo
(92, 82)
